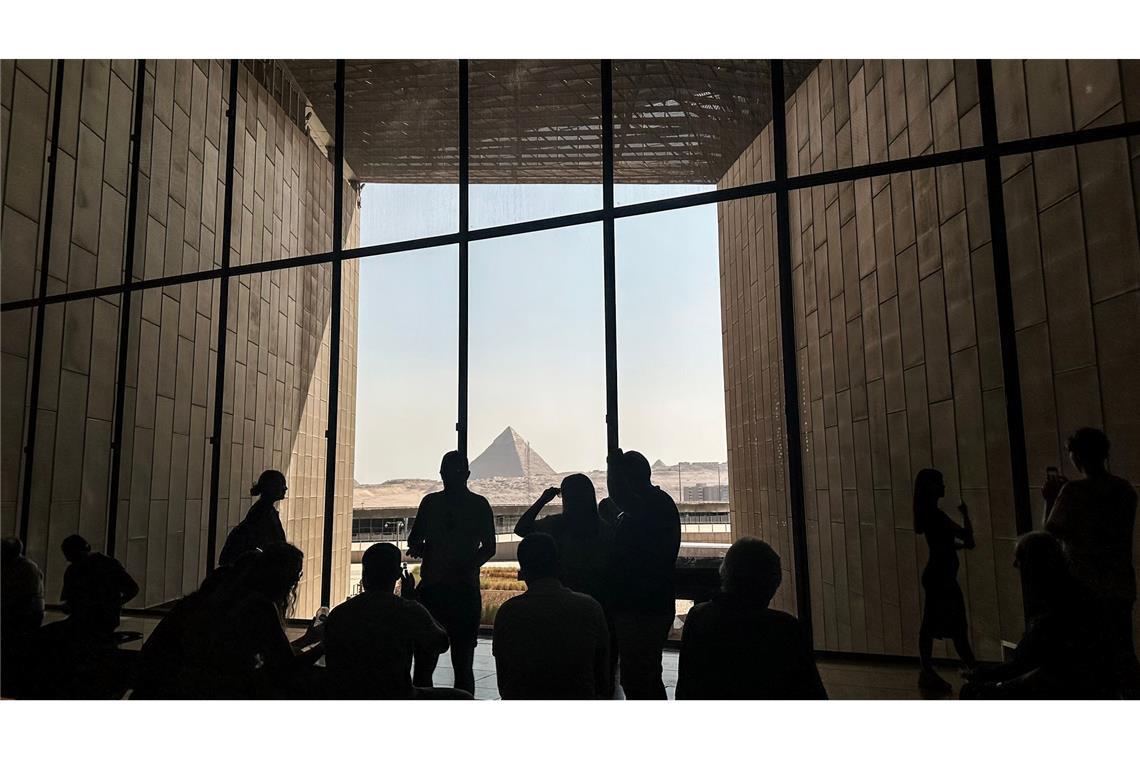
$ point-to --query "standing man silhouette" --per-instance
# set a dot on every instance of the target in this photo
(454, 534)
(647, 538)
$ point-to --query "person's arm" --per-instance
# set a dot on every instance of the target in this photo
(525, 526)
(66, 593)
(1059, 521)
(1050, 491)
(965, 533)
(417, 541)
(429, 635)
(689, 667)
(602, 673)
(128, 588)
(615, 480)
(487, 535)
(808, 684)
(498, 640)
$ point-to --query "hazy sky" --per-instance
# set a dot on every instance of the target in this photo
(537, 351)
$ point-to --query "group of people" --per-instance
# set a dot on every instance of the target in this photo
(1078, 585)
(597, 610)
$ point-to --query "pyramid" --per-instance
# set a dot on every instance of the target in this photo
(509, 456)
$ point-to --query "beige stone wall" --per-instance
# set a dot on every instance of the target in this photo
(897, 348)
(276, 395)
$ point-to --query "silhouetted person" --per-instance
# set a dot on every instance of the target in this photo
(22, 596)
(1062, 654)
(1094, 518)
(944, 608)
(229, 640)
(585, 542)
(370, 639)
(77, 657)
(262, 523)
(735, 647)
(95, 588)
(454, 534)
(647, 538)
(550, 642)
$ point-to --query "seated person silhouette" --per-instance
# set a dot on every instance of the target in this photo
(370, 638)
(22, 597)
(229, 641)
(735, 647)
(262, 523)
(95, 588)
(78, 658)
(1064, 652)
(550, 642)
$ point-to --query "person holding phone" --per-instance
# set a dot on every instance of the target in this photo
(1094, 518)
(944, 608)
(584, 540)
(1054, 482)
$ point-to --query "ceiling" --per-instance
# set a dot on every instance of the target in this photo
(675, 121)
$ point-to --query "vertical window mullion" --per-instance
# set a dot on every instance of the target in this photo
(788, 349)
(1003, 294)
(608, 255)
(125, 311)
(216, 442)
(464, 224)
(334, 341)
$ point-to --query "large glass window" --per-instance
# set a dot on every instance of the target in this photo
(894, 342)
(537, 387)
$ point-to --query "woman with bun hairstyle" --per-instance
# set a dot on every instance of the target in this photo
(262, 525)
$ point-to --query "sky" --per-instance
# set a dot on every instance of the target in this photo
(536, 341)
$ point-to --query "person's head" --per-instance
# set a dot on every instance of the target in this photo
(275, 573)
(929, 487)
(380, 567)
(636, 470)
(580, 503)
(1088, 450)
(1041, 561)
(751, 569)
(270, 486)
(12, 549)
(454, 470)
(75, 548)
(538, 558)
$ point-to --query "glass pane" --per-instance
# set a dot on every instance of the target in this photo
(1042, 97)
(407, 378)
(852, 113)
(275, 408)
(15, 346)
(753, 381)
(670, 373)
(401, 137)
(537, 364)
(167, 422)
(73, 436)
(680, 125)
(282, 173)
(92, 172)
(900, 370)
(1075, 270)
(534, 123)
(183, 175)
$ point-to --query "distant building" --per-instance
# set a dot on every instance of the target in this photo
(704, 493)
